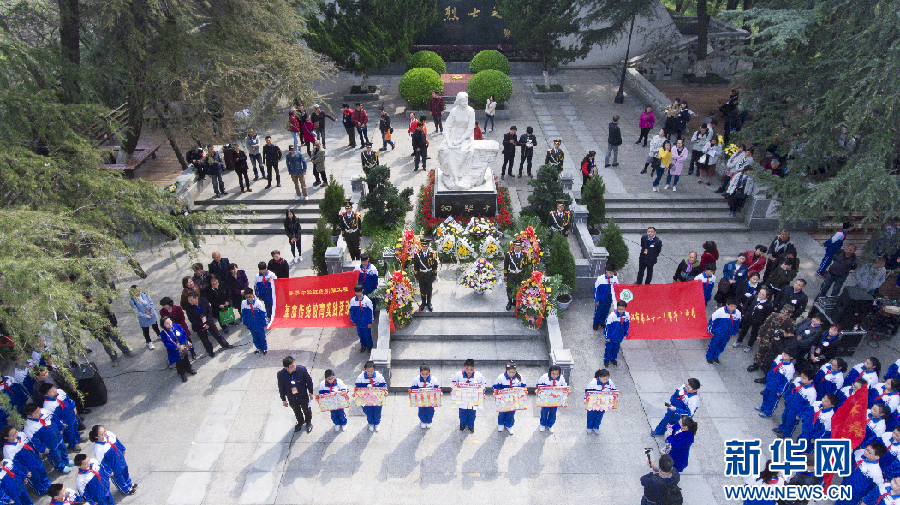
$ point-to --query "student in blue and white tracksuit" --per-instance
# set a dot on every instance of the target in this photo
(508, 379)
(16, 392)
(601, 382)
(12, 483)
(615, 331)
(62, 408)
(468, 375)
(866, 473)
(44, 432)
(832, 246)
(817, 421)
(18, 449)
(890, 462)
(868, 370)
(60, 495)
(552, 378)
(723, 324)
(603, 295)
(368, 274)
(886, 393)
(798, 400)
(893, 370)
(850, 390)
(264, 287)
(92, 481)
(683, 402)
(330, 385)
(885, 494)
(371, 379)
(777, 379)
(830, 377)
(362, 314)
(255, 317)
(425, 380)
(708, 278)
(110, 452)
(874, 425)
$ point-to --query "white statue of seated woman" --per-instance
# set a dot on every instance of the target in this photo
(455, 153)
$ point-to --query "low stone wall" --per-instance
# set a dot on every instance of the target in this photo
(644, 91)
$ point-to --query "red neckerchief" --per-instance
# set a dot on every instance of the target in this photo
(371, 379)
(91, 469)
(9, 471)
(331, 387)
(772, 482)
(554, 381)
(510, 379)
(41, 420)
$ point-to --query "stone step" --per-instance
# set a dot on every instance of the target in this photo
(251, 228)
(676, 197)
(487, 312)
(271, 220)
(661, 219)
(665, 205)
(698, 228)
(451, 351)
(300, 207)
(254, 201)
(402, 377)
(484, 327)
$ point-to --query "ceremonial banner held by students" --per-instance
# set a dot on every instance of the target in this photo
(511, 399)
(314, 301)
(664, 311)
(425, 397)
(370, 397)
(333, 401)
(551, 396)
(601, 400)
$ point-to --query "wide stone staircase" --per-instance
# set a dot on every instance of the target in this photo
(670, 213)
(262, 216)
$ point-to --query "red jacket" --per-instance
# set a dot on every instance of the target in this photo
(177, 317)
(360, 117)
(295, 124)
(588, 170)
(707, 258)
(309, 132)
(755, 264)
(478, 135)
(436, 106)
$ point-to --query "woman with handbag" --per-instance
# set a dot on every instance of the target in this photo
(679, 441)
(588, 168)
(706, 165)
(293, 126)
(679, 155)
(292, 230)
(219, 299)
(143, 306)
(490, 110)
(661, 163)
(237, 282)
(177, 346)
(309, 134)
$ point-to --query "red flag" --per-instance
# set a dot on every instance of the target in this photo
(664, 311)
(849, 421)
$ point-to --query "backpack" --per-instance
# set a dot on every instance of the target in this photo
(673, 493)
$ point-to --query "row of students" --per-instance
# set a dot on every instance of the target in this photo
(370, 378)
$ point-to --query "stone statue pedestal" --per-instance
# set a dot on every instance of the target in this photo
(480, 201)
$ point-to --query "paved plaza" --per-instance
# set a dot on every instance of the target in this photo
(224, 437)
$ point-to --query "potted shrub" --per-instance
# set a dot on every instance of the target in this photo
(546, 191)
(427, 59)
(417, 84)
(486, 83)
(331, 205)
(615, 245)
(321, 243)
(593, 197)
(561, 262)
(490, 59)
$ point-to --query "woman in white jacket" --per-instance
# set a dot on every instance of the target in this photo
(490, 109)
(707, 162)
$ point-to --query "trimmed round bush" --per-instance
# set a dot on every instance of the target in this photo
(416, 86)
(427, 59)
(487, 83)
(490, 59)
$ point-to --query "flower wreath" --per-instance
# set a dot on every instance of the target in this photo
(399, 296)
(531, 301)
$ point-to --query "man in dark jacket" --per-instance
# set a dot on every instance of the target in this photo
(780, 247)
(527, 141)
(271, 157)
(657, 483)
(842, 263)
(420, 146)
(614, 140)
(384, 126)
(219, 266)
(753, 315)
(318, 120)
(509, 151)
(219, 298)
(804, 478)
(651, 246)
(436, 107)
(295, 387)
(361, 121)
(279, 266)
(200, 315)
(781, 277)
(348, 125)
(793, 297)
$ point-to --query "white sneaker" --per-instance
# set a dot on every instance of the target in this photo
(337, 427)
(590, 431)
(301, 258)
(297, 197)
(550, 429)
(150, 346)
(306, 197)
(428, 426)
(499, 427)
(597, 431)
(424, 426)
(542, 428)
(371, 427)
(735, 344)
(294, 260)
(747, 349)
(376, 427)
(343, 427)
(675, 188)
(667, 187)
(509, 430)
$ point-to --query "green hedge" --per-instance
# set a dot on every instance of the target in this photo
(490, 59)
(416, 86)
(427, 59)
(487, 83)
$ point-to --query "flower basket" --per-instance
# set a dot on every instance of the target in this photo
(530, 244)
(399, 298)
(406, 247)
(480, 276)
(536, 299)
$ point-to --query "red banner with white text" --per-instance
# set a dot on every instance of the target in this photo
(314, 301)
(664, 311)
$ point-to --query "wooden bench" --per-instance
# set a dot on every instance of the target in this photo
(141, 154)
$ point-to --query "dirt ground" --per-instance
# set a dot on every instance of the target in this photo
(701, 100)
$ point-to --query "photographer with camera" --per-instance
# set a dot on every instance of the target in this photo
(661, 484)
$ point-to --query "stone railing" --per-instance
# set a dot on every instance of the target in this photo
(559, 355)
(595, 257)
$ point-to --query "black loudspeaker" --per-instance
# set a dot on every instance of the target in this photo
(90, 383)
(853, 306)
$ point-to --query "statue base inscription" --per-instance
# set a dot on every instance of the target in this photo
(480, 201)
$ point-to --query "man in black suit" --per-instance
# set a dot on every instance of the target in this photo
(200, 314)
(420, 146)
(219, 266)
(510, 141)
(651, 246)
(295, 387)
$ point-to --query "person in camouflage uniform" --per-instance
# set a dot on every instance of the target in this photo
(776, 321)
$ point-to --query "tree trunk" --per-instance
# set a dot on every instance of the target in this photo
(70, 50)
(679, 6)
(731, 5)
(748, 4)
(702, 38)
(171, 136)
(132, 132)
(545, 67)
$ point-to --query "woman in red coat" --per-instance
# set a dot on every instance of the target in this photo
(176, 314)
(309, 135)
(710, 253)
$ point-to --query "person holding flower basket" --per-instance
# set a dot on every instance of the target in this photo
(513, 270)
(425, 265)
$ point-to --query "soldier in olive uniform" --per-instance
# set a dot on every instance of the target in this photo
(351, 223)
(425, 268)
(555, 156)
(513, 271)
(369, 161)
(560, 219)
